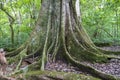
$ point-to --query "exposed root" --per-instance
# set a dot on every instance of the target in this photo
(109, 52)
(15, 52)
(92, 71)
(83, 67)
(67, 24)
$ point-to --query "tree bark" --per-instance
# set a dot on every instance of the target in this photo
(59, 31)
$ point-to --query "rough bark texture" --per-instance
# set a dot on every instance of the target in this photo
(58, 31)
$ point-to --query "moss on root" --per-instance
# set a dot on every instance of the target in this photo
(87, 55)
(48, 75)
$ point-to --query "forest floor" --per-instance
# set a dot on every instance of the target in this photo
(112, 67)
(111, 48)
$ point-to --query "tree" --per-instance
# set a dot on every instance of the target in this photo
(11, 21)
(58, 31)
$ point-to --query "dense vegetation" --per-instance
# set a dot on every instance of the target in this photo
(99, 17)
(50, 30)
(17, 19)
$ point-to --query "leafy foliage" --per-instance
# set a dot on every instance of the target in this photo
(101, 19)
(25, 13)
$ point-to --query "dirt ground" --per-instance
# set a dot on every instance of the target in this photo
(112, 67)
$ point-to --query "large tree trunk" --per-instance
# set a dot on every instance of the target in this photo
(58, 31)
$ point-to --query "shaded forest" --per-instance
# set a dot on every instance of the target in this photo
(59, 40)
